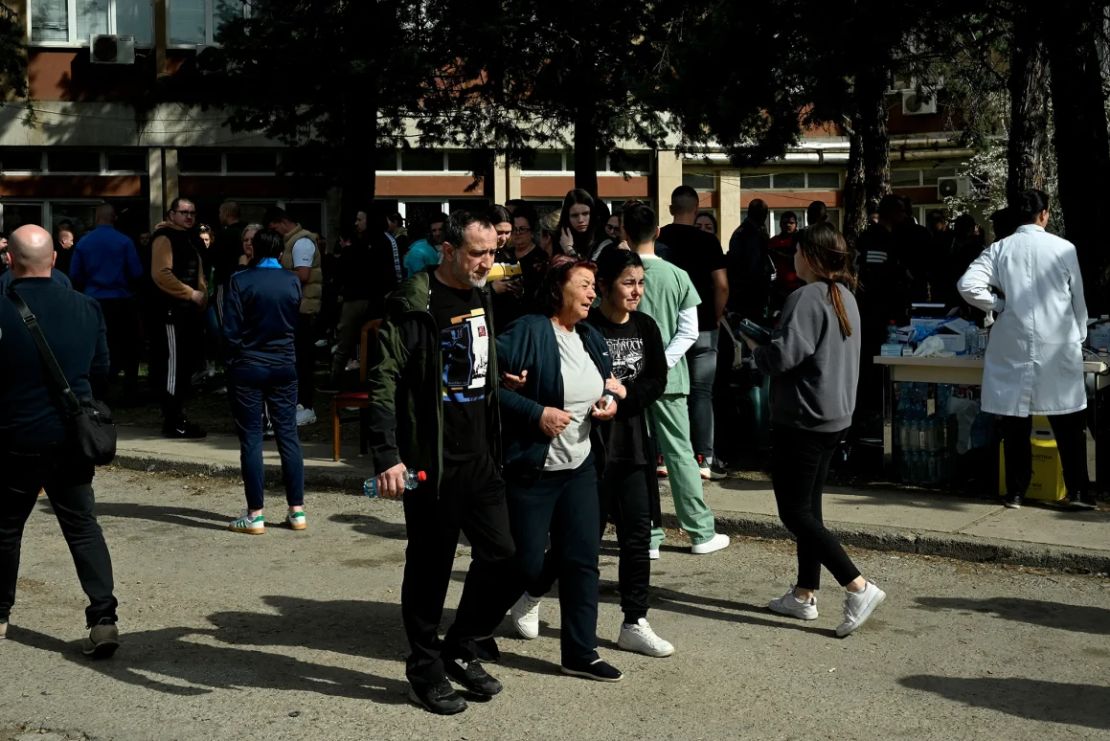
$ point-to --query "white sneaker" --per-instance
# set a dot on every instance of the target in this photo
(3, 630)
(525, 616)
(641, 639)
(716, 543)
(858, 606)
(790, 605)
(305, 416)
(653, 554)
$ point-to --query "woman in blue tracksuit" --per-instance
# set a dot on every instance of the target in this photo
(552, 452)
(260, 317)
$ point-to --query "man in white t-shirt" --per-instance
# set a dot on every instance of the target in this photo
(302, 256)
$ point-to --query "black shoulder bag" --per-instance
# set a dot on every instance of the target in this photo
(90, 425)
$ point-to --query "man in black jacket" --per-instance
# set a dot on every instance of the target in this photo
(35, 452)
(749, 267)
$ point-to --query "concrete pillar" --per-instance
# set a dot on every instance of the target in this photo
(170, 174)
(506, 180)
(154, 171)
(728, 190)
(668, 176)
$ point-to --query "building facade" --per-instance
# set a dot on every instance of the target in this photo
(87, 133)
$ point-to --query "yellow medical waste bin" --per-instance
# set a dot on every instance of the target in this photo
(1047, 483)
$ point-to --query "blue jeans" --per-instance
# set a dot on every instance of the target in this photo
(251, 386)
(702, 358)
(564, 504)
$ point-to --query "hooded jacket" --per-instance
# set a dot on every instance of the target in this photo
(406, 384)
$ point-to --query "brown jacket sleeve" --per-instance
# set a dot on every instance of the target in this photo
(161, 271)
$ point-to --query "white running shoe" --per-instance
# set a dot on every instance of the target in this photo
(790, 605)
(525, 616)
(716, 543)
(640, 638)
(305, 416)
(858, 606)
(653, 554)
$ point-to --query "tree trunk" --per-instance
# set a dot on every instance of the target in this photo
(1082, 141)
(855, 199)
(357, 178)
(871, 97)
(585, 150)
(1028, 85)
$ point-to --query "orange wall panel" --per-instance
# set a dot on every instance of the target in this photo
(426, 186)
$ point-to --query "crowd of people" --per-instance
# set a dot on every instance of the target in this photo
(531, 379)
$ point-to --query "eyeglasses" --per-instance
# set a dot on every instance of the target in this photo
(521, 229)
(612, 228)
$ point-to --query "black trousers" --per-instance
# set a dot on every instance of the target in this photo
(304, 344)
(564, 504)
(69, 487)
(1071, 442)
(471, 499)
(122, 322)
(799, 466)
(626, 499)
(176, 352)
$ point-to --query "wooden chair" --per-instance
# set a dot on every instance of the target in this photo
(360, 398)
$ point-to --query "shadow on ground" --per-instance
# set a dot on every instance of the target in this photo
(1055, 702)
(1077, 618)
(197, 661)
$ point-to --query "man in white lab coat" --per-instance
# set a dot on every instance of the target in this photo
(1034, 361)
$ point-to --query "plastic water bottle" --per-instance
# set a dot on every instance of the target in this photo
(892, 333)
(412, 480)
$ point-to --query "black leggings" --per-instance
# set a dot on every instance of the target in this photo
(626, 498)
(800, 464)
(1071, 441)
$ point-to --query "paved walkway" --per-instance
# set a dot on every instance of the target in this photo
(880, 517)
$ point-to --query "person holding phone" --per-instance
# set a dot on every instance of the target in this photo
(813, 360)
(552, 451)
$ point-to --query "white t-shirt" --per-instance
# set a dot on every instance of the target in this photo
(582, 387)
(303, 253)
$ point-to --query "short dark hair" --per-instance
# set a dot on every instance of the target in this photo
(266, 243)
(788, 215)
(639, 222)
(757, 211)
(274, 215)
(684, 199)
(550, 293)
(526, 212)
(455, 224)
(613, 262)
(177, 202)
(816, 213)
(1030, 203)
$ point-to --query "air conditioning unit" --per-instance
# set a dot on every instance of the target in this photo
(107, 48)
(957, 187)
(916, 103)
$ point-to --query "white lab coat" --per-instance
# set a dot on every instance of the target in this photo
(1034, 359)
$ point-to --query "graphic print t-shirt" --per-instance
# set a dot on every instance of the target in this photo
(624, 441)
(465, 347)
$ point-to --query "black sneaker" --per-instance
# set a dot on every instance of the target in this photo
(1013, 501)
(486, 650)
(1081, 502)
(472, 676)
(596, 669)
(184, 431)
(103, 640)
(439, 698)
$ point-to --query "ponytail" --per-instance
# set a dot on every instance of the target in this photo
(824, 248)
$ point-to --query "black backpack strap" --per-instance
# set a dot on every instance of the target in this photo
(58, 381)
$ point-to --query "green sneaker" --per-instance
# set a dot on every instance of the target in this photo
(296, 520)
(250, 525)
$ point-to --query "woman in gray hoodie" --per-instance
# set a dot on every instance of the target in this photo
(813, 360)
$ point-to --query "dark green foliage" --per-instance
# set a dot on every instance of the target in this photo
(13, 54)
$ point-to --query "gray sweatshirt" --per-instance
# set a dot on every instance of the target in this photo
(813, 368)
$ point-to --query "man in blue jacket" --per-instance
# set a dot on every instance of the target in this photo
(106, 267)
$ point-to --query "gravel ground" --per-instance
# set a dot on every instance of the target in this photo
(298, 635)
